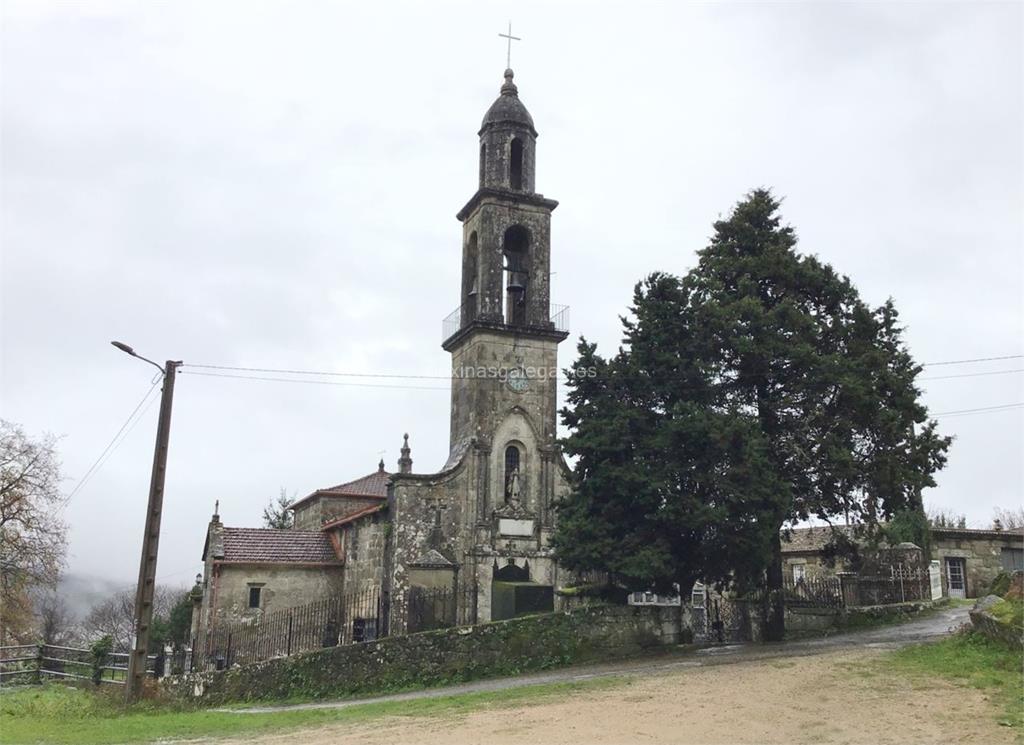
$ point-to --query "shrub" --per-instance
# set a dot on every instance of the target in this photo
(100, 651)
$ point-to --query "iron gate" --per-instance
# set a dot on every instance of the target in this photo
(723, 620)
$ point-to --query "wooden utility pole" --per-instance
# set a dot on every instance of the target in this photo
(151, 541)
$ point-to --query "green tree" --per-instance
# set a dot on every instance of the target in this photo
(179, 621)
(276, 514)
(753, 393)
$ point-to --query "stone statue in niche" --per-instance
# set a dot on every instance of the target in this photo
(513, 490)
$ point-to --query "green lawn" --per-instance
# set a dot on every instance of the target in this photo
(63, 714)
(971, 660)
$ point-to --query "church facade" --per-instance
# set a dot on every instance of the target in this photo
(481, 525)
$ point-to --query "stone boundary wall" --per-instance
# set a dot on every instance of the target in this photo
(805, 622)
(989, 626)
(439, 657)
(869, 614)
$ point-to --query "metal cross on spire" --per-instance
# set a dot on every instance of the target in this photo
(511, 38)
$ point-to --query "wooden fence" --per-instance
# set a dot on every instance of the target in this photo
(35, 663)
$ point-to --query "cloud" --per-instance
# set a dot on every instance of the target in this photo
(275, 186)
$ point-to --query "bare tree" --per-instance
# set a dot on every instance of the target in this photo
(943, 519)
(56, 623)
(1008, 519)
(32, 536)
(115, 616)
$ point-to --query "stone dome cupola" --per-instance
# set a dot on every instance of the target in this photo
(507, 143)
(508, 109)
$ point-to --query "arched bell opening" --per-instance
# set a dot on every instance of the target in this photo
(470, 279)
(516, 250)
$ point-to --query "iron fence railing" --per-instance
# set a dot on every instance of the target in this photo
(345, 619)
(329, 622)
(558, 319)
(813, 592)
(883, 590)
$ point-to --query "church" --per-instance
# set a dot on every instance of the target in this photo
(480, 526)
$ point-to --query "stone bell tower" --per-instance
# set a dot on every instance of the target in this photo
(483, 522)
(504, 336)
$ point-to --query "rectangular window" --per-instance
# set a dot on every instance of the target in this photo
(254, 596)
(799, 572)
(1013, 559)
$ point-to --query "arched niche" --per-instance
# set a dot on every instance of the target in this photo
(515, 431)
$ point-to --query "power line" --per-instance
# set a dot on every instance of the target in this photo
(114, 442)
(972, 375)
(416, 376)
(1001, 407)
(977, 359)
(318, 382)
(326, 373)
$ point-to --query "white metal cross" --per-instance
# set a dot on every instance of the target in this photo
(511, 38)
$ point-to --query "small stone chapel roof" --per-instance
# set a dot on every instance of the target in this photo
(372, 485)
(271, 546)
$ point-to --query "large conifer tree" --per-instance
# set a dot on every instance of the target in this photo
(757, 391)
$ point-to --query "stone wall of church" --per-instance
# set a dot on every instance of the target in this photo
(462, 514)
(365, 544)
(282, 587)
(427, 513)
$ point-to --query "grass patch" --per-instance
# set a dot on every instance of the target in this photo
(64, 714)
(1010, 612)
(970, 659)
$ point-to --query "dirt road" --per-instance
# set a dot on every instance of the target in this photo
(821, 691)
(932, 626)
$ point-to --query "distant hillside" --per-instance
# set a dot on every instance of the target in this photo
(81, 591)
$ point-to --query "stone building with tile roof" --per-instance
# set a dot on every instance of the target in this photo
(969, 558)
(482, 523)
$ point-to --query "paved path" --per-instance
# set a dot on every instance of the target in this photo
(933, 626)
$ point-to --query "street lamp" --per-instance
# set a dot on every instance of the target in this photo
(151, 538)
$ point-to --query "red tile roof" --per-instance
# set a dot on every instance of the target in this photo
(259, 545)
(373, 485)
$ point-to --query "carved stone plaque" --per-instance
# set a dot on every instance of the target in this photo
(520, 528)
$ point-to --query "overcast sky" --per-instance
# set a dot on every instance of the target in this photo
(273, 185)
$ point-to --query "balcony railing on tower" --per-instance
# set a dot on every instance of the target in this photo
(558, 320)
